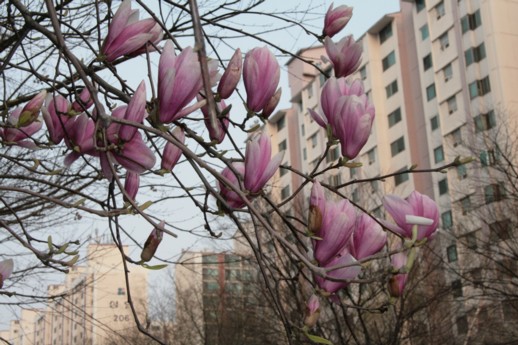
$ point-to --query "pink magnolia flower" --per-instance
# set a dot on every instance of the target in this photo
(223, 122)
(136, 112)
(312, 311)
(231, 76)
(259, 165)
(6, 268)
(128, 35)
(131, 184)
(79, 137)
(336, 19)
(261, 73)
(19, 136)
(416, 204)
(152, 242)
(83, 101)
(172, 153)
(232, 198)
(348, 112)
(179, 80)
(55, 115)
(344, 274)
(31, 110)
(368, 237)
(397, 282)
(345, 55)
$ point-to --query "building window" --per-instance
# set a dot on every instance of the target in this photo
(283, 171)
(471, 21)
(427, 62)
(401, 177)
(500, 230)
(391, 88)
(281, 123)
(462, 325)
(419, 5)
(285, 192)
(394, 117)
(397, 146)
(456, 137)
(335, 180)
(486, 121)
(456, 288)
(300, 106)
(304, 153)
(438, 154)
(355, 196)
(479, 87)
(430, 92)
(452, 104)
(434, 122)
(471, 240)
(493, 192)
(333, 154)
(465, 204)
(385, 33)
(475, 54)
(303, 129)
(310, 90)
(388, 60)
(488, 157)
(444, 41)
(443, 186)
(282, 146)
(363, 73)
(424, 32)
(447, 219)
(375, 186)
(447, 72)
(371, 155)
(440, 11)
(314, 140)
(121, 291)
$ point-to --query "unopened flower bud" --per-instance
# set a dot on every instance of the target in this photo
(152, 242)
(314, 219)
(31, 110)
(312, 311)
(231, 77)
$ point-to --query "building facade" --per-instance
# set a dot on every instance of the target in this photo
(442, 76)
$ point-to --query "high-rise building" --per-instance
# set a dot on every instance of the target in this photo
(90, 307)
(442, 76)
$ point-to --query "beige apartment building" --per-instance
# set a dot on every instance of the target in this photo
(442, 75)
(90, 307)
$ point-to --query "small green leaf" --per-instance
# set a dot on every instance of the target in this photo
(79, 202)
(49, 243)
(318, 340)
(155, 267)
(145, 205)
(62, 248)
(73, 261)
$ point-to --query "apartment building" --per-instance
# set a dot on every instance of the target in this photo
(90, 307)
(442, 76)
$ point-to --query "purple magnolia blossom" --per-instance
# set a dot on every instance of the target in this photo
(261, 73)
(416, 204)
(30, 111)
(79, 137)
(222, 122)
(336, 19)
(136, 112)
(19, 136)
(346, 55)
(172, 153)
(6, 268)
(232, 198)
(231, 76)
(127, 35)
(348, 112)
(131, 184)
(55, 115)
(179, 80)
(152, 242)
(397, 282)
(259, 164)
(345, 274)
(368, 237)
(83, 101)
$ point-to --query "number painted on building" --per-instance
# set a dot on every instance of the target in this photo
(121, 318)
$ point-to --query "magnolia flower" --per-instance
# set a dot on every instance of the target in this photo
(131, 185)
(231, 76)
(152, 242)
(416, 204)
(336, 19)
(259, 165)
(6, 268)
(272, 104)
(136, 112)
(79, 137)
(344, 274)
(18, 136)
(172, 153)
(345, 55)
(128, 35)
(258, 168)
(83, 101)
(31, 110)
(312, 311)
(55, 115)
(261, 73)
(368, 237)
(348, 112)
(397, 282)
(179, 80)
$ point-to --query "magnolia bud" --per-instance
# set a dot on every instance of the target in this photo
(152, 242)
